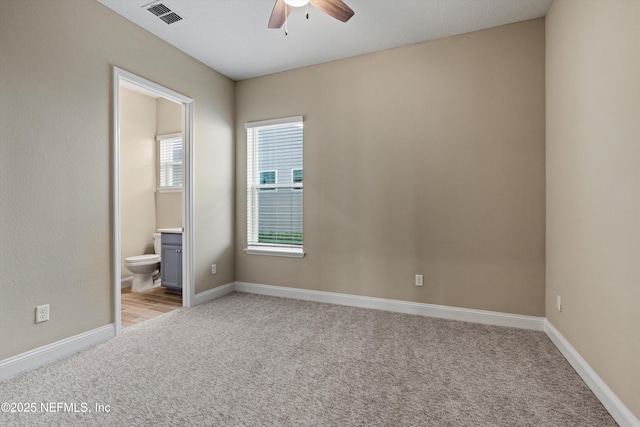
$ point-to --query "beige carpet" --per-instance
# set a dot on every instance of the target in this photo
(249, 360)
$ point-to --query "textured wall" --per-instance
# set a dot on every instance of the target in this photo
(168, 204)
(426, 159)
(137, 175)
(593, 203)
(56, 163)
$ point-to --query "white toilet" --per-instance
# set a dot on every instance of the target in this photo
(144, 267)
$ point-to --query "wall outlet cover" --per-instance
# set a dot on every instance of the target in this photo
(42, 313)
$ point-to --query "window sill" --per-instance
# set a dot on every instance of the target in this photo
(275, 251)
(169, 190)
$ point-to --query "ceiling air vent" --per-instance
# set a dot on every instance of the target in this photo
(159, 9)
(164, 13)
(170, 18)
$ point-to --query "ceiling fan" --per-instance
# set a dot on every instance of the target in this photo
(334, 8)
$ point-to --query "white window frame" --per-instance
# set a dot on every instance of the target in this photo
(162, 138)
(271, 249)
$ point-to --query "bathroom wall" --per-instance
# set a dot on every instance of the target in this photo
(168, 205)
(137, 174)
(142, 208)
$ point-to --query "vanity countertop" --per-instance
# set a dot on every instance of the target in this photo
(170, 230)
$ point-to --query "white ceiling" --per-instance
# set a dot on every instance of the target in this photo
(231, 36)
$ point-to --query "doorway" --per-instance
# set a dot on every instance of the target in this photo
(122, 78)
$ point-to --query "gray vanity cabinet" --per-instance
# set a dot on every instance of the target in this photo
(171, 266)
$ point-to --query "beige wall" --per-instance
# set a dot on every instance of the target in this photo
(593, 203)
(56, 163)
(137, 175)
(426, 159)
(168, 117)
(168, 204)
(169, 209)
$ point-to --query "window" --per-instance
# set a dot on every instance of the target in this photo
(170, 162)
(274, 187)
(296, 178)
(266, 179)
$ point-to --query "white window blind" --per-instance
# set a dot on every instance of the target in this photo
(275, 187)
(170, 165)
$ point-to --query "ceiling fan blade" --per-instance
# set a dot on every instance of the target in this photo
(279, 14)
(334, 8)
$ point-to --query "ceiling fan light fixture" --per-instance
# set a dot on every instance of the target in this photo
(282, 8)
(296, 3)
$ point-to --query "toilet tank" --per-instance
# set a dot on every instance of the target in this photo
(157, 242)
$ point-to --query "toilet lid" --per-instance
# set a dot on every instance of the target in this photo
(143, 259)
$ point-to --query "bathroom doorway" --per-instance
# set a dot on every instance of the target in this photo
(160, 200)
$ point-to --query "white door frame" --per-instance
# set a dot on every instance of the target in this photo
(120, 75)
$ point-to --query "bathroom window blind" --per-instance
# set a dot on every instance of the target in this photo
(170, 147)
(275, 184)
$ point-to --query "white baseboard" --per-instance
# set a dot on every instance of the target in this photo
(422, 309)
(620, 413)
(48, 353)
(214, 293)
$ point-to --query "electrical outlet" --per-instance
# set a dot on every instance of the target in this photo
(419, 280)
(42, 313)
(558, 303)
(213, 269)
